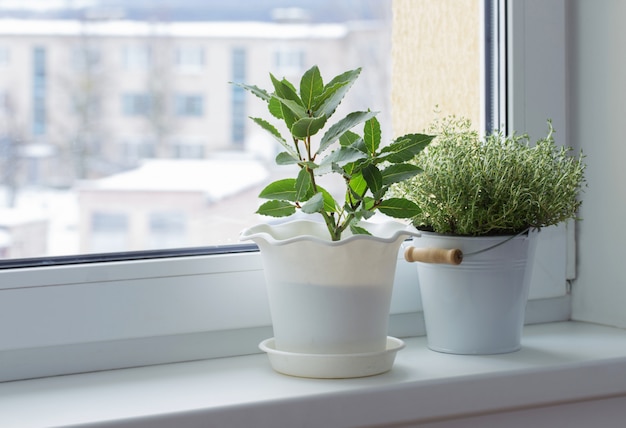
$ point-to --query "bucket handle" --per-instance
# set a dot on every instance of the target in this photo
(442, 255)
(434, 255)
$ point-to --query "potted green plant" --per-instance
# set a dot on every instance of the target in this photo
(484, 199)
(330, 275)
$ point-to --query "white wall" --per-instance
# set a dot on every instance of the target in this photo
(597, 100)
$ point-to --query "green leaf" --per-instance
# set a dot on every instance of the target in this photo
(405, 148)
(373, 178)
(303, 185)
(363, 214)
(276, 108)
(277, 209)
(269, 128)
(307, 126)
(334, 91)
(286, 158)
(369, 203)
(274, 132)
(291, 86)
(358, 230)
(284, 189)
(349, 138)
(357, 186)
(399, 208)
(309, 164)
(339, 157)
(314, 205)
(330, 205)
(288, 116)
(399, 172)
(284, 89)
(371, 135)
(311, 86)
(293, 107)
(261, 93)
(338, 129)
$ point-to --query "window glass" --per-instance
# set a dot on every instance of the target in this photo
(84, 57)
(189, 147)
(167, 229)
(189, 58)
(4, 104)
(4, 56)
(39, 82)
(136, 57)
(290, 60)
(136, 104)
(189, 105)
(238, 97)
(108, 231)
(123, 117)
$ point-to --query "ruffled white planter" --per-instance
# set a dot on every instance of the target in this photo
(476, 307)
(329, 298)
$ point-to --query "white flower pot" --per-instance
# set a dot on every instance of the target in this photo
(328, 297)
(476, 307)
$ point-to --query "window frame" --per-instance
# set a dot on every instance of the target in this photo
(136, 104)
(98, 312)
(189, 105)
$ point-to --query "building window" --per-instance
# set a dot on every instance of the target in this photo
(5, 56)
(289, 61)
(109, 231)
(85, 58)
(189, 58)
(39, 91)
(136, 104)
(136, 58)
(132, 150)
(4, 102)
(166, 229)
(189, 105)
(238, 101)
(188, 148)
(86, 105)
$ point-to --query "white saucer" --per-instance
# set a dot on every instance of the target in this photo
(332, 366)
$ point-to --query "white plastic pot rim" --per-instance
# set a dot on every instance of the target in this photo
(315, 231)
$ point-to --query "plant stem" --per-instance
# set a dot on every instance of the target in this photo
(295, 143)
(335, 232)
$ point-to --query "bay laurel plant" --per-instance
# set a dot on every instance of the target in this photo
(495, 185)
(367, 167)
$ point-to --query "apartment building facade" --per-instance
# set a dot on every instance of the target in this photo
(83, 101)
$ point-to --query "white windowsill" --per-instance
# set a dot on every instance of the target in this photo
(559, 363)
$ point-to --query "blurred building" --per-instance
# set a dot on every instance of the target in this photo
(21, 232)
(86, 99)
(93, 101)
(170, 203)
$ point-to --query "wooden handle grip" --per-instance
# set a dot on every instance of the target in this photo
(433, 255)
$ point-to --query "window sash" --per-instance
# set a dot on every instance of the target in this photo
(119, 310)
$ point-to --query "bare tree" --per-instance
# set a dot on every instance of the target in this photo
(160, 115)
(11, 140)
(83, 84)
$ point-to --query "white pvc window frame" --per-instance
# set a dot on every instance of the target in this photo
(105, 315)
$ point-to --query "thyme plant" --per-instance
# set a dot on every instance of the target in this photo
(496, 185)
(368, 168)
